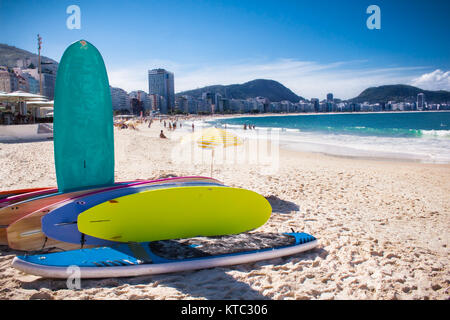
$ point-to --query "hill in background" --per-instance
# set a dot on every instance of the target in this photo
(270, 89)
(399, 93)
(9, 56)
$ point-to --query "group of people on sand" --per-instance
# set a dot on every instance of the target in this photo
(249, 126)
(172, 124)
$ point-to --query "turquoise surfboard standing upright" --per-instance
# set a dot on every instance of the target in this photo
(83, 120)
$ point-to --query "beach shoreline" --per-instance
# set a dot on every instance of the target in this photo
(412, 145)
(382, 226)
(278, 114)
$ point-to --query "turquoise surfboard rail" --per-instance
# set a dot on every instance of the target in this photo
(83, 120)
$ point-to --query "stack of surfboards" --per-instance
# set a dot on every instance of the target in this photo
(127, 228)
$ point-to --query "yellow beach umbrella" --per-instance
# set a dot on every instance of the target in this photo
(212, 138)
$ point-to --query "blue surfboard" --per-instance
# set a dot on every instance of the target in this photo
(61, 223)
(137, 259)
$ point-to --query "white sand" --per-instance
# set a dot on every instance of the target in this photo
(383, 227)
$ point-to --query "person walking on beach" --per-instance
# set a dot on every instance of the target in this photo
(192, 127)
(170, 126)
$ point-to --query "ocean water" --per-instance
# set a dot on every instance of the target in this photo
(417, 136)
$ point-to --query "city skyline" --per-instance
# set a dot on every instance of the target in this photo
(312, 48)
(161, 97)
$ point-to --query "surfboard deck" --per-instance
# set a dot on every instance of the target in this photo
(128, 260)
(21, 207)
(25, 196)
(9, 193)
(18, 210)
(61, 223)
(83, 120)
(174, 213)
(26, 233)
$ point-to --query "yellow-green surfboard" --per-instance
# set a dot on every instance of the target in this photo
(174, 213)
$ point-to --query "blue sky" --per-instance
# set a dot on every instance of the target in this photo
(312, 47)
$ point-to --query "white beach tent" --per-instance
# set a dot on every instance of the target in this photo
(41, 109)
(22, 99)
(17, 96)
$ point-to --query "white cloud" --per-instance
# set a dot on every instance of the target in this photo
(436, 80)
(346, 79)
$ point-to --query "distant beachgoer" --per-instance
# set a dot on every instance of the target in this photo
(245, 126)
(170, 126)
(192, 127)
(164, 123)
(162, 136)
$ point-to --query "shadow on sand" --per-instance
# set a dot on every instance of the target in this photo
(282, 206)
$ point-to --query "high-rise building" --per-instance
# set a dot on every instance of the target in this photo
(48, 84)
(181, 104)
(192, 104)
(316, 104)
(161, 82)
(218, 104)
(120, 99)
(5, 80)
(210, 99)
(143, 97)
(330, 97)
(420, 101)
(33, 84)
(155, 102)
(48, 81)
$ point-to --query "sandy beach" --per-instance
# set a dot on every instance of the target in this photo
(383, 226)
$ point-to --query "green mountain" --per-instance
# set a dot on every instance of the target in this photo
(9, 56)
(270, 89)
(399, 93)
